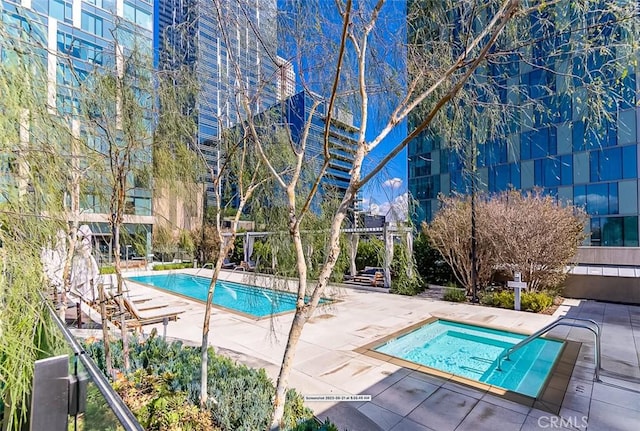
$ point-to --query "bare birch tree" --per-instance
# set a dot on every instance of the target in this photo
(120, 106)
(448, 90)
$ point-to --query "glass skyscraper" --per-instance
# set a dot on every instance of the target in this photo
(342, 138)
(552, 142)
(76, 37)
(189, 33)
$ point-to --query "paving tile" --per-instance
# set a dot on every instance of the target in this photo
(405, 395)
(583, 373)
(576, 403)
(489, 417)
(409, 425)
(603, 416)
(614, 395)
(444, 410)
(516, 407)
(465, 390)
(573, 419)
(384, 418)
(435, 380)
(346, 416)
(545, 422)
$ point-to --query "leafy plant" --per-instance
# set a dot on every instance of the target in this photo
(110, 269)
(158, 407)
(529, 301)
(370, 253)
(167, 266)
(312, 425)
(167, 376)
(430, 264)
(536, 301)
(405, 280)
(453, 294)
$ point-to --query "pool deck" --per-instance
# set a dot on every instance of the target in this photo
(403, 399)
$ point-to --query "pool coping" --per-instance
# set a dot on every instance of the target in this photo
(223, 308)
(552, 390)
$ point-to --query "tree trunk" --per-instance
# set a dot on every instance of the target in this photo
(204, 354)
(295, 332)
(305, 311)
(120, 292)
(105, 330)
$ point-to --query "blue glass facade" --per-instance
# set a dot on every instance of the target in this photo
(189, 33)
(553, 141)
(342, 138)
(75, 38)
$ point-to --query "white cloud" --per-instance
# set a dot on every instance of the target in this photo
(394, 183)
(398, 210)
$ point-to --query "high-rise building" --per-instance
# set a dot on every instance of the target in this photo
(77, 37)
(342, 137)
(286, 80)
(234, 57)
(295, 113)
(588, 159)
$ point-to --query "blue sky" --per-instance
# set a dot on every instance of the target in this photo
(391, 182)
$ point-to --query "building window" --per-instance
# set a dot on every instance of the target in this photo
(138, 16)
(92, 24)
(61, 10)
(613, 164)
(598, 199)
(614, 231)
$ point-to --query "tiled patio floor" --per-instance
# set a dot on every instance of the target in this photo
(402, 399)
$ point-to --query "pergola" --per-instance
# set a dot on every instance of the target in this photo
(388, 231)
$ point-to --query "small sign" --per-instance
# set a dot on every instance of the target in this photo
(517, 284)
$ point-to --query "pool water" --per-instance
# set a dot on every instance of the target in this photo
(472, 351)
(252, 300)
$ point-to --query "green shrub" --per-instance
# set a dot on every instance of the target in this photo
(243, 396)
(167, 266)
(535, 301)
(108, 270)
(502, 299)
(453, 294)
(312, 425)
(529, 301)
(430, 264)
(158, 407)
(370, 253)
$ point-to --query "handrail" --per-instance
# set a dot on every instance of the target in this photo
(559, 322)
(119, 408)
(203, 267)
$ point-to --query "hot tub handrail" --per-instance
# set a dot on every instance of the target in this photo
(562, 321)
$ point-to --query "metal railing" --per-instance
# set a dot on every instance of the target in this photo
(562, 321)
(203, 267)
(103, 406)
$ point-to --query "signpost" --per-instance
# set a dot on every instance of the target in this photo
(517, 284)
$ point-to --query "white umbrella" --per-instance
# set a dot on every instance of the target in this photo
(84, 268)
(53, 261)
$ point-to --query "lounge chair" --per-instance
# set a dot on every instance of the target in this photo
(227, 264)
(378, 280)
(247, 266)
(137, 318)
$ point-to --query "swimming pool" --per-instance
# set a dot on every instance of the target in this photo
(252, 300)
(471, 351)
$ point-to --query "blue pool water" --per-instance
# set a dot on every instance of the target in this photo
(471, 351)
(252, 300)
